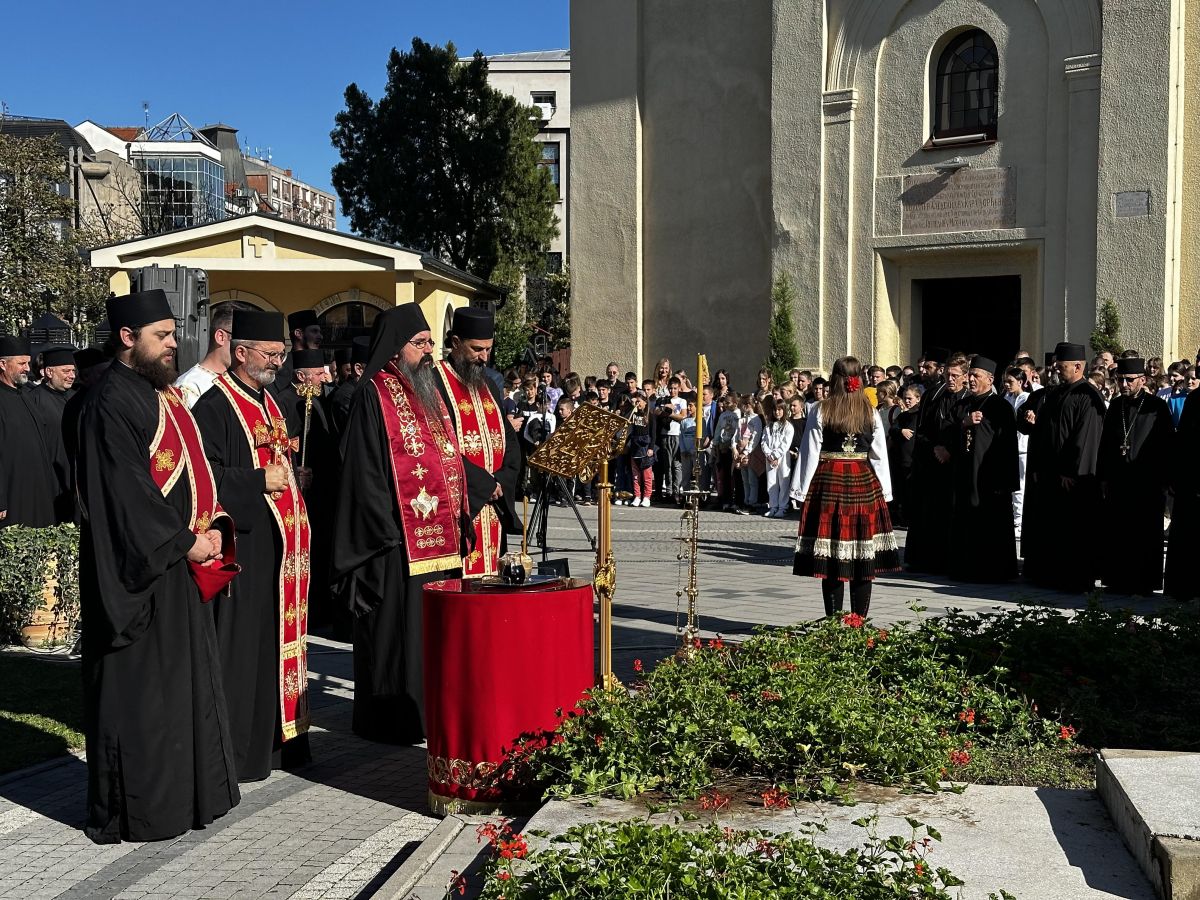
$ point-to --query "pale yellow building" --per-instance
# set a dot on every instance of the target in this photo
(275, 264)
(974, 173)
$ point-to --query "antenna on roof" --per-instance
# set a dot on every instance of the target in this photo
(146, 113)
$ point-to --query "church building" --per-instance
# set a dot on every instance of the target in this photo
(977, 174)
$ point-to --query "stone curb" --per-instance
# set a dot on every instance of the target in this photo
(413, 869)
(1171, 863)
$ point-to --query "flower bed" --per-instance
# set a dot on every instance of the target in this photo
(805, 709)
(640, 859)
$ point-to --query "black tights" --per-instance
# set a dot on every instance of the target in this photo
(833, 592)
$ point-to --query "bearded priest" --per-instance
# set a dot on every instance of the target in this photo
(400, 521)
(489, 445)
(158, 748)
(262, 625)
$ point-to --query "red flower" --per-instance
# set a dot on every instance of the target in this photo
(883, 635)
(599, 740)
(716, 644)
(637, 665)
(713, 800)
(853, 383)
(852, 620)
(919, 868)
(959, 757)
(776, 798)
(967, 716)
(458, 882)
(696, 643)
(870, 643)
(785, 666)
(1066, 732)
(771, 696)
(503, 876)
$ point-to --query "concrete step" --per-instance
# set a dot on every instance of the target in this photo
(1153, 798)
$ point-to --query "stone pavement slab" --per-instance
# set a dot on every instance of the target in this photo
(344, 825)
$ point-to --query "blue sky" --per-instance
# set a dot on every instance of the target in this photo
(275, 71)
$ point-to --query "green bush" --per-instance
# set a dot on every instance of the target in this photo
(663, 862)
(30, 558)
(809, 707)
(1107, 333)
(781, 336)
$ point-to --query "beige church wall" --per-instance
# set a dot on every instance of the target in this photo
(798, 73)
(1189, 280)
(885, 51)
(1137, 263)
(707, 216)
(606, 189)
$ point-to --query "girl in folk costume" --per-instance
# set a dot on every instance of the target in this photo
(844, 485)
(776, 441)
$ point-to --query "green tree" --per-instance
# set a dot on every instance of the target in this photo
(444, 162)
(550, 306)
(43, 265)
(781, 338)
(1107, 333)
(512, 319)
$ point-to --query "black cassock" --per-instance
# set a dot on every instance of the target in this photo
(248, 617)
(1134, 469)
(1064, 442)
(319, 450)
(28, 486)
(339, 405)
(370, 565)
(985, 475)
(49, 405)
(931, 483)
(1183, 571)
(159, 753)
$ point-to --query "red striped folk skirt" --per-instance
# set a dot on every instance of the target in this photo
(845, 531)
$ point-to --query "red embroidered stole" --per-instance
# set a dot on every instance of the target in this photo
(480, 431)
(427, 472)
(269, 444)
(176, 452)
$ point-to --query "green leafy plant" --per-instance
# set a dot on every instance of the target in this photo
(38, 566)
(807, 709)
(781, 337)
(641, 859)
(1107, 333)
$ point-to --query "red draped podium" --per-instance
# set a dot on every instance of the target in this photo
(498, 663)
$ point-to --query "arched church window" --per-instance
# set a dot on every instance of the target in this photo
(341, 324)
(967, 85)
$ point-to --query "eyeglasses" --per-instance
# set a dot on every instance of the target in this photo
(278, 356)
(422, 343)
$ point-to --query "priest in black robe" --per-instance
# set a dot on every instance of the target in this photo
(159, 756)
(1134, 468)
(343, 394)
(1062, 492)
(248, 618)
(304, 333)
(1182, 579)
(985, 475)
(49, 401)
(317, 447)
(472, 334)
(28, 485)
(371, 560)
(931, 485)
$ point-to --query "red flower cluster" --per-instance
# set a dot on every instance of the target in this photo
(919, 868)
(509, 844)
(959, 757)
(516, 848)
(776, 798)
(853, 384)
(716, 644)
(1066, 732)
(713, 800)
(853, 620)
(882, 635)
(637, 665)
(457, 882)
(967, 716)
(771, 696)
(785, 666)
(766, 848)
(871, 643)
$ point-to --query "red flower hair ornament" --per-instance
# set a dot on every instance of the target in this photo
(853, 384)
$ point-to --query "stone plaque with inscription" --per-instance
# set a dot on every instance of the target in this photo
(963, 200)
(1131, 204)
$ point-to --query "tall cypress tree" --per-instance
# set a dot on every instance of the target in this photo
(781, 338)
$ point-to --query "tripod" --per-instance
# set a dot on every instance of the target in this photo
(539, 519)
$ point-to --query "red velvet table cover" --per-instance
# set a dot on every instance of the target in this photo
(497, 665)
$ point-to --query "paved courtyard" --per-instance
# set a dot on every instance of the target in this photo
(341, 827)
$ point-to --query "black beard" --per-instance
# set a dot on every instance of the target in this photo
(156, 370)
(470, 372)
(420, 377)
